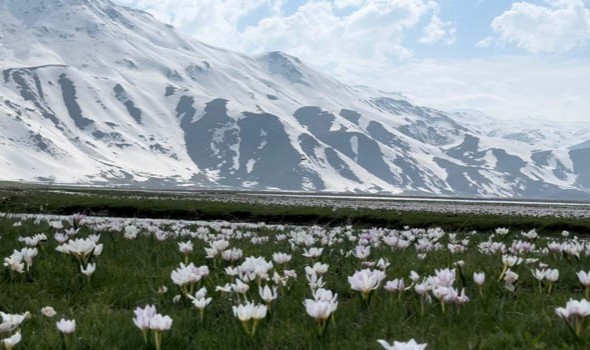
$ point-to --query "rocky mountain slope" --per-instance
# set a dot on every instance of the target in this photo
(95, 93)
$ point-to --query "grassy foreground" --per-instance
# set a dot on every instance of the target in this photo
(130, 272)
(170, 206)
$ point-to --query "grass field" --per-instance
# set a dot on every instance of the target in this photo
(170, 206)
(130, 273)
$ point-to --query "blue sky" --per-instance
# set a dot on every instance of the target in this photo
(509, 59)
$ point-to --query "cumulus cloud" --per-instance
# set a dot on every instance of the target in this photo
(212, 21)
(317, 31)
(557, 27)
(439, 31)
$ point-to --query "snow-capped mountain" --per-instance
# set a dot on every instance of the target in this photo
(95, 93)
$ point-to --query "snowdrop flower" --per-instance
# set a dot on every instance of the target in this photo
(48, 311)
(66, 327)
(410, 345)
(366, 281)
(574, 313)
(10, 342)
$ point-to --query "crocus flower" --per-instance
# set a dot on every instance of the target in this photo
(409, 345)
(366, 281)
(48, 311)
(584, 278)
(10, 342)
(574, 313)
(66, 327)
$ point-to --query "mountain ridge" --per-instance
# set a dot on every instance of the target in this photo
(125, 100)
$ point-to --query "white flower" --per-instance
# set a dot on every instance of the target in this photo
(584, 278)
(131, 232)
(160, 323)
(552, 275)
(502, 231)
(10, 322)
(188, 274)
(410, 345)
(66, 326)
(200, 300)
(479, 278)
(48, 311)
(240, 287)
(539, 274)
(313, 252)
(267, 294)
(319, 310)
(10, 342)
(281, 258)
(143, 316)
(232, 255)
(366, 281)
(89, 270)
(510, 261)
(249, 311)
(185, 247)
(396, 285)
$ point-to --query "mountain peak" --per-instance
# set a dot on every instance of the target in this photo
(285, 65)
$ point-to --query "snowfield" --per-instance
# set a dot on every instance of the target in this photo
(105, 95)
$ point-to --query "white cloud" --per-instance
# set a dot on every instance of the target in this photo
(439, 31)
(371, 30)
(485, 42)
(511, 87)
(374, 32)
(213, 21)
(558, 27)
